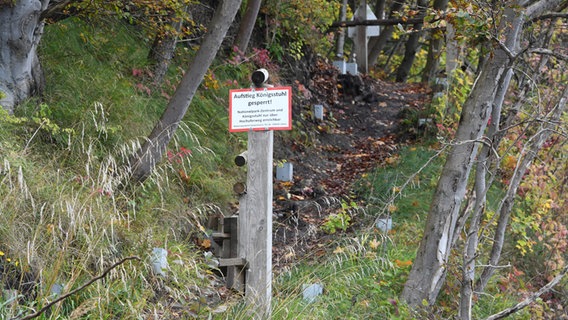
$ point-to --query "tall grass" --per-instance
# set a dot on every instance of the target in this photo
(64, 217)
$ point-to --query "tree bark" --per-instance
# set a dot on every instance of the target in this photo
(247, 24)
(412, 45)
(341, 33)
(377, 44)
(163, 49)
(142, 164)
(429, 269)
(529, 153)
(435, 49)
(21, 29)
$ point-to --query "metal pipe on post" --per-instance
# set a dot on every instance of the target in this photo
(255, 225)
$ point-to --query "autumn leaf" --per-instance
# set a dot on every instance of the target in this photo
(206, 243)
(374, 244)
(391, 160)
(402, 264)
(338, 250)
(392, 208)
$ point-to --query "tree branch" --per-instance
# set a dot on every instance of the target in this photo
(551, 16)
(70, 293)
(507, 312)
(377, 22)
(549, 52)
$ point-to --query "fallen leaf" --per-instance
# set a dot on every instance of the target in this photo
(374, 244)
(206, 243)
(403, 264)
(338, 250)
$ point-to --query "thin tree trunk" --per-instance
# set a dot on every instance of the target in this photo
(247, 24)
(481, 188)
(341, 36)
(435, 49)
(163, 49)
(505, 206)
(429, 268)
(377, 44)
(379, 9)
(412, 46)
(142, 164)
(21, 76)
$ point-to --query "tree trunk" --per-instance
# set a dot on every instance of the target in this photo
(21, 29)
(428, 271)
(341, 33)
(247, 24)
(163, 49)
(435, 49)
(506, 205)
(429, 268)
(142, 164)
(377, 44)
(412, 45)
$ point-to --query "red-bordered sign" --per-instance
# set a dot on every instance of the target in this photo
(260, 109)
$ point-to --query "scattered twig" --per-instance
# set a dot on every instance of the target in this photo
(70, 293)
(507, 312)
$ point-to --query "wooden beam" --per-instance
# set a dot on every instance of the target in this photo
(377, 22)
(255, 225)
(230, 262)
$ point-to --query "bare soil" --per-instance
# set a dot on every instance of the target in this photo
(361, 129)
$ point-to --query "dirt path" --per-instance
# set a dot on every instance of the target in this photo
(359, 132)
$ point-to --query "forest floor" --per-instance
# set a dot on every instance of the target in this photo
(363, 127)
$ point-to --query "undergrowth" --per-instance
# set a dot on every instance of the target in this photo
(64, 217)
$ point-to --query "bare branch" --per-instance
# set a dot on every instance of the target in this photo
(507, 312)
(556, 15)
(72, 292)
(549, 52)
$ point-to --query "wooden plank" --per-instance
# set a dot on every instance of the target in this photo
(220, 235)
(235, 275)
(255, 226)
(229, 262)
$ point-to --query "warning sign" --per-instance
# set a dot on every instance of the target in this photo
(260, 109)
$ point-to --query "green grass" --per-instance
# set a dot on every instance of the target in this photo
(63, 216)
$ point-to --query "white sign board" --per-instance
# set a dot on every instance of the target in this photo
(260, 109)
(372, 31)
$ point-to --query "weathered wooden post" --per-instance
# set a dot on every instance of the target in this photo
(259, 111)
(361, 40)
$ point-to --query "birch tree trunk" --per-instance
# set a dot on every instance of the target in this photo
(21, 29)
(429, 268)
(529, 153)
(142, 164)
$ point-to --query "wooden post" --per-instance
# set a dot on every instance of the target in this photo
(255, 225)
(361, 39)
